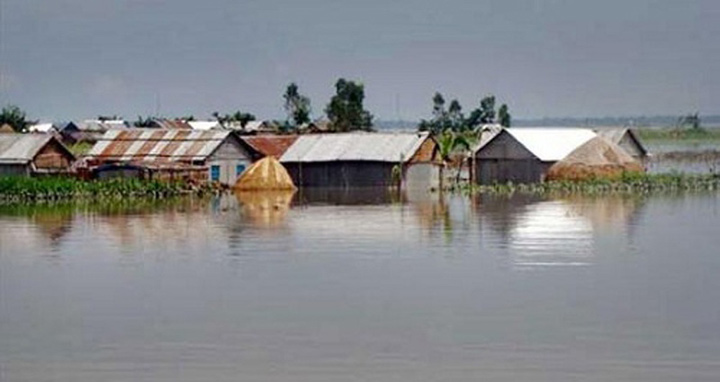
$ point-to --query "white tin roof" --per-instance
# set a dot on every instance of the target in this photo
(382, 147)
(204, 125)
(551, 144)
(21, 148)
(41, 128)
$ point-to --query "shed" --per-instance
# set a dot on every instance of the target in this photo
(363, 160)
(524, 155)
(220, 153)
(33, 154)
(627, 139)
(597, 158)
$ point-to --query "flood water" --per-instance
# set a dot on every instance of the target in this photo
(363, 286)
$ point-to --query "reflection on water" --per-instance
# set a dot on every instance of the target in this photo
(265, 209)
(538, 232)
(362, 285)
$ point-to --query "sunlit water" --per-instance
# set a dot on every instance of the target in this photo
(363, 287)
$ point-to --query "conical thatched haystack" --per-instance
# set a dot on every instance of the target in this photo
(6, 129)
(597, 158)
(265, 174)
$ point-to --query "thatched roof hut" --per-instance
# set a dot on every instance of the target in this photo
(265, 174)
(596, 158)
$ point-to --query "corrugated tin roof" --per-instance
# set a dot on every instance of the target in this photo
(383, 147)
(270, 145)
(204, 125)
(488, 132)
(551, 144)
(100, 126)
(613, 135)
(156, 145)
(172, 124)
(21, 148)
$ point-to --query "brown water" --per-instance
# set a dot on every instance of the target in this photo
(363, 287)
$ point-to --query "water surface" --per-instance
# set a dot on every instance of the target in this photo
(358, 286)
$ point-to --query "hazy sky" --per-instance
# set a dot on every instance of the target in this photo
(75, 59)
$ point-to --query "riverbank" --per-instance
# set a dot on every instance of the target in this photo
(23, 189)
(626, 184)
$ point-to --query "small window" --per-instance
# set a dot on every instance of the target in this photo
(215, 173)
(239, 169)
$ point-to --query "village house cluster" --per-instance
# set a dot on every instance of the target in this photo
(204, 151)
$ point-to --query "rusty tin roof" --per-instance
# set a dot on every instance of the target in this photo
(270, 145)
(134, 145)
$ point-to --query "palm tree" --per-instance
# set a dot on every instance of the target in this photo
(449, 142)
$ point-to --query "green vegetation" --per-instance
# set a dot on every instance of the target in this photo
(80, 148)
(687, 128)
(237, 117)
(15, 118)
(23, 189)
(297, 106)
(630, 183)
(453, 118)
(674, 133)
(345, 110)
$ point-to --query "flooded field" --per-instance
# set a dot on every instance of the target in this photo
(684, 156)
(356, 286)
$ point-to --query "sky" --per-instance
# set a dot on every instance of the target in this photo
(76, 59)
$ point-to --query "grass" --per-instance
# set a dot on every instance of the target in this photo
(81, 148)
(24, 189)
(675, 134)
(626, 184)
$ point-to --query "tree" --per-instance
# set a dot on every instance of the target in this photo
(345, 110)
(485, 114)
(144, 122)
(16, 118)
(237, 117)
(691, 120)
(504, 118)
(103, 118)
(450, 142)
(442, 119)
(487, 110)
(297, 105)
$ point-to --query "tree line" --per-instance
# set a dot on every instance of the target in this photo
(345, 112)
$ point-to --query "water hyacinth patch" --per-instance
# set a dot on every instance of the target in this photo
(629, 183)
(19, 189)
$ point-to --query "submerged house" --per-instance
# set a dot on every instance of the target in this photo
(524, 155)
(215, 156)
(347, 160)
(33, 154)
(627, 139)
